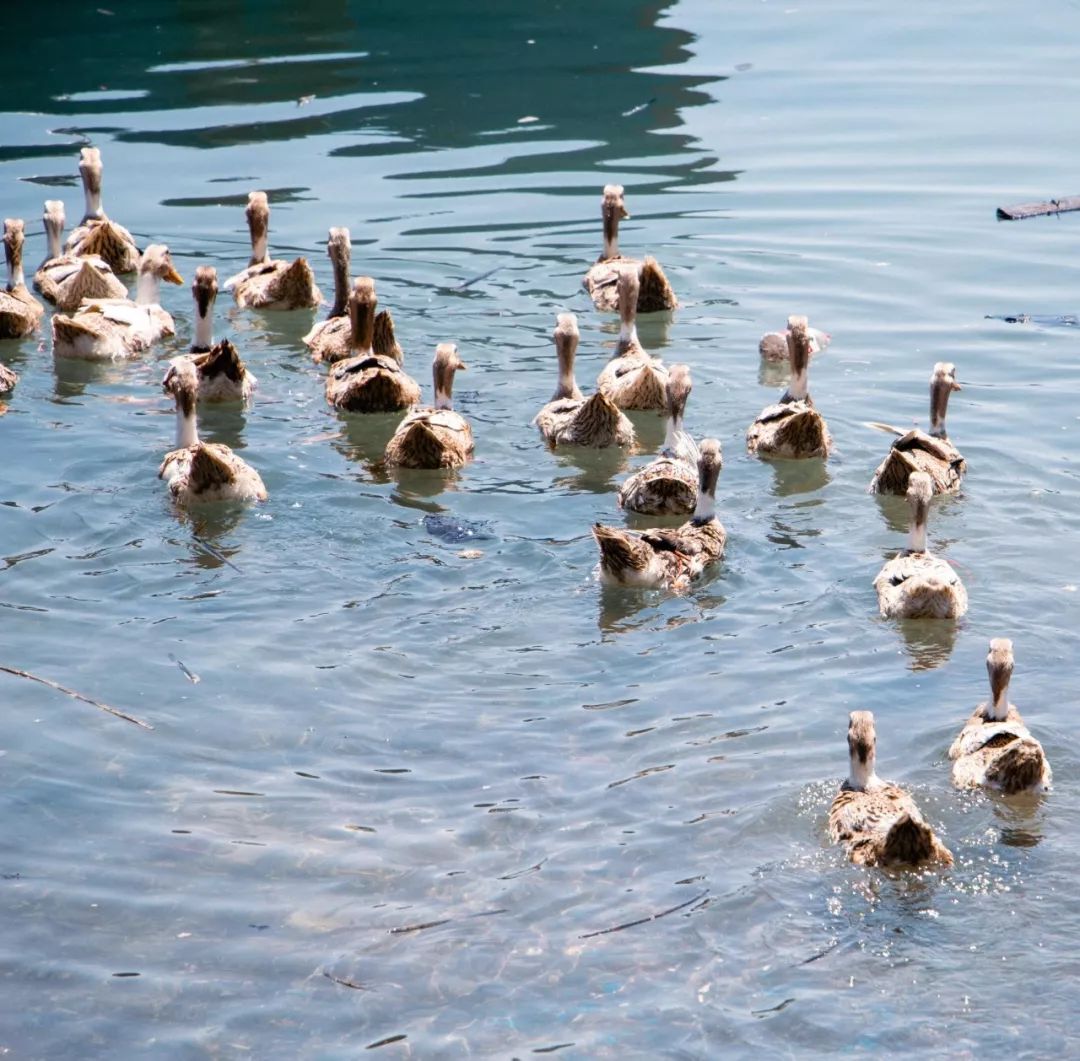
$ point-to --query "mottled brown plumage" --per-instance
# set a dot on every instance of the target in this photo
(995, 748)
(915, 584)
(98, 235)
(916, 451)
(271, 283)
(20, 312)
(368, 382)
(878, 822)
(792, 428)
(8, 378)
(668, 557)
(773, 346)
(654, 293)
(668, 485)
(329, 340)
(570, 419)
(221, 373)
(434, 437)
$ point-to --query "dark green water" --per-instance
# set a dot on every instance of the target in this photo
(411, 792)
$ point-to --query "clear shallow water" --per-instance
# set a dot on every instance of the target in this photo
(442, 779)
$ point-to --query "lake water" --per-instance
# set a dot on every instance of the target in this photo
(412, 793)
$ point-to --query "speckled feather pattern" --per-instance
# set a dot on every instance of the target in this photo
(883, 826)
(916, 451)
(791, 430)
(210, 472)
(920, 586)
(370, 384)
(659, 557)
(634, 381)
(666, 486)
(431, 438)
(999, 754)
(595, 421)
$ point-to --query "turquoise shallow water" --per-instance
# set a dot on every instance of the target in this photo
(411, 791)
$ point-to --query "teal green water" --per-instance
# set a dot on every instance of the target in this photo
(410, 791)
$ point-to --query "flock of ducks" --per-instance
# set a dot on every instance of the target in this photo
(877, 822)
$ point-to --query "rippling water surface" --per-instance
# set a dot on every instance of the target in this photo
(400, 798)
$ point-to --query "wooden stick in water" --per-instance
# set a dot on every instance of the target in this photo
(1053, 206)
(72, 693)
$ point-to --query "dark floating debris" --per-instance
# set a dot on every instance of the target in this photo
(645, 920)
(455, 531)
(189, 674)
(1061, 320)
(354, 984)
(772, 1009)
(1051, 206)
(386, 1042)
(124, 975)
(77, 696)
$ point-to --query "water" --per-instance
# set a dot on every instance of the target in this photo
(411, 793)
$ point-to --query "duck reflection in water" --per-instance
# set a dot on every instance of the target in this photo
(209, 525)
(929, 642)
(595, 470)
(792, 477)
(363, 439)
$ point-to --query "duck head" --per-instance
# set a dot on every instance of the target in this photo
(800, 346)
(90, 170)
(156, 265)
(566, 336)
(54, 219)
(919, 492)
(710, 462)
(257, 213)
(339, 248)
(999, 666)
(862, 750)
(14, 237)
(445, 365)
(362, 303)
(942, 384)
(182, 383)
(204, 291)
(613, 210)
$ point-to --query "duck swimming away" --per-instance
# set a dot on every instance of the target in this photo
(878, 822)
(632, 379)
(915, 451)
(66, 279)
(570, 419)
(995, 749)
(792, 428)
(601, 281)
(668, 557)
(366, 381)
(97, 235)
(434, 436)
(668, 485)
(202, 471)
(20, 312)
(270, 283)
(773, 346)
(104, 329)
(915, 584)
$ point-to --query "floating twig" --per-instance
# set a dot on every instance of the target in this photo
(346, 983)
(477, 279)
(189, 674)
(216, 553)
(887, 428)
(1051, 206)
(646, 920)
(76, 695)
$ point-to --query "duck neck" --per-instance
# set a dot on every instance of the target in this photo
(799, 388)
(705, 509)
(444, 382)
(362, 318)
(341, 287)
(998, 708)
(204, 328)
(920, 510)
(939, 404)
(611, 233)
(148, 292)
(628, 296)
(92, 194)
(13, 254)
(567, 388)
(187, 432)
(53, 232)
(861, 775)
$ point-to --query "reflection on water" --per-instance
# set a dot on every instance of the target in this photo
(929, 642)
(791, 477)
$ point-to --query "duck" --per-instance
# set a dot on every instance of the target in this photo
(222, 375)
(20, 312)
(916, 451)
(330, 340)
(97, 235)
(434, 437)
(878, 822)
(668, 557)
(632, 378)
(270, 283)
(915, 584)
(601, 281)
(792, 428)
(571, 419)
(773, 345)
(995, 749)
(667, 486)
(368, 382)
(8, 378)
(202, 471)
(66, 279)
(103, 329)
